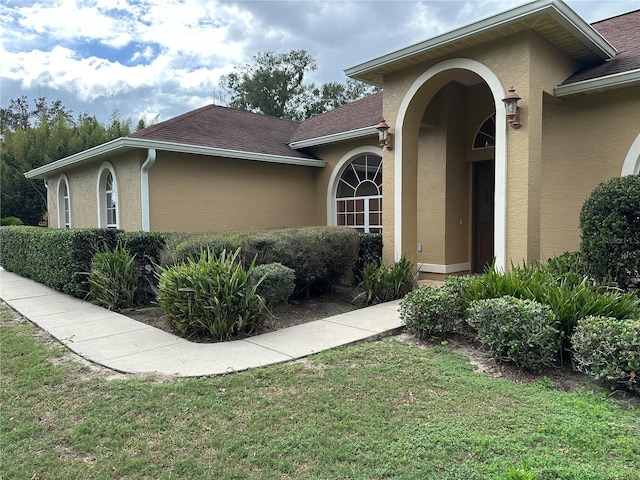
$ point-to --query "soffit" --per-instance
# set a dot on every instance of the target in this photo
(551, 19)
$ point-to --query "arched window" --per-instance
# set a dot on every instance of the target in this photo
(359, 195)
(486, 134)
(64, 204)
(107, 198)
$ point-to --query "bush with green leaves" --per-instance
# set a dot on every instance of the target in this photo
(61, 257)
(320, 256)
(10, 221)
(211, 296)
(610, 226)
(383, 283)
(431, 311)
(275, 282)
(609, 350)
(523, 332)
(571, 297)
(114, 279)
(370, 252)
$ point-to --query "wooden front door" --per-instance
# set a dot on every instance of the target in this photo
(483, 203)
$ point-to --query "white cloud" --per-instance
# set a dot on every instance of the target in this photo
(144, 57)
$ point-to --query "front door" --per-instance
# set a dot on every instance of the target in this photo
(483, 198)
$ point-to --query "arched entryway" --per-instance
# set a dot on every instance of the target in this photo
(449, 187)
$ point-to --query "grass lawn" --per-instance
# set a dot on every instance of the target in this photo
(384, 409)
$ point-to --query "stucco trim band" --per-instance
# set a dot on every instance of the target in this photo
(451, 268)
(335, 137)
(631, 164)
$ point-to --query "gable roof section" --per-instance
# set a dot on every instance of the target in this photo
(228, 129)
(552, 19)
(623, 31)
(353, 120)
(211, 131)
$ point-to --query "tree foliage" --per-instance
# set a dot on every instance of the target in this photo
(34, 136)
(273, 84)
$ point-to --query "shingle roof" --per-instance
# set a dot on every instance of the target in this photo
(362, 113)
(221, 127)
(623, 32)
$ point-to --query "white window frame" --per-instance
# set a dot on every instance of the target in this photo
(105, 169)
(64, 202)
(366, 200)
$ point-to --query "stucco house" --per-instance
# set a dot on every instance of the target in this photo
(458, 182)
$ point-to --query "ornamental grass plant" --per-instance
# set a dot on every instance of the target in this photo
(211, 296)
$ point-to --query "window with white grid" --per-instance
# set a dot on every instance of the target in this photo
(359, 195)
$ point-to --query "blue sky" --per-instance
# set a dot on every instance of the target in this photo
(148, 58)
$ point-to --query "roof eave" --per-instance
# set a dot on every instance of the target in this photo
(560, 11)
(600, 84)
(335, 137)
(128, 143)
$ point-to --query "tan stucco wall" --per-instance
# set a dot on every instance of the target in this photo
(586, 139)
(83, 193)
(193, 193)
(532, 66)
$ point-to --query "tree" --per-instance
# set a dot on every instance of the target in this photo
(34, 137)
(273, 84)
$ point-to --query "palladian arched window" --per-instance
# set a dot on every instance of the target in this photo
(359, 195)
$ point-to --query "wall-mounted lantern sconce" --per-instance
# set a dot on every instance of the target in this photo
(511, 106)
(384, 136)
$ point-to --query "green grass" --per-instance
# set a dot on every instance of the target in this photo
(384, 409)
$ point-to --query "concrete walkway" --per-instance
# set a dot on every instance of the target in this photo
(126, 345)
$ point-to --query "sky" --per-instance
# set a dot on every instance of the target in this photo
(155, 59)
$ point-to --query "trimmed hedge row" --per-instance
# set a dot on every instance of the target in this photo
(320, 256)
(61, 258)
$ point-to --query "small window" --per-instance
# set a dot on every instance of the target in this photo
(64, 204)
(486, 134)
(107, 198)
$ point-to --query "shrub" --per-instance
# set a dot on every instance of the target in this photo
(522, 332)
(210, 296)
(370, 252)
(610, 225)
(609, 350)
(114, 280)
(10, 221)
(431, 311)
(320, 256)
(384, 283)
(275, 282)
(58, 258)
(569, 296)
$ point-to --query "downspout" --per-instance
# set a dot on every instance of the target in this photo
(144, 188)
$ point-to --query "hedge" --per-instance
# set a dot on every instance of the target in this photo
(61, 258)
(320, 256)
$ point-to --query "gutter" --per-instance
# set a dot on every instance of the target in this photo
(144, 188)
(124, 144)
(335, 137)
(610, 82)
